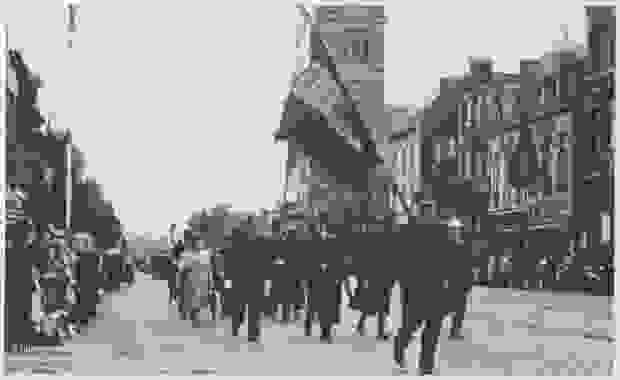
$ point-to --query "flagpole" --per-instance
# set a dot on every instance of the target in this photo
(71, 6)
(4, 77)
(68, 186)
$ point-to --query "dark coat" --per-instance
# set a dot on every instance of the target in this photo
(246, 267)
(326, 291)
(427, 261)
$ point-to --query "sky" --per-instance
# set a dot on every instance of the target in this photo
(174, 103)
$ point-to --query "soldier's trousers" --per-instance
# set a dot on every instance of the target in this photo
(430, 339)
(459, 312)
(17, 324)
(430, 335)
(253, 318)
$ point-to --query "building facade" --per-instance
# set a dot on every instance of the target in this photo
(594, 175)
(354, 37)
(566, 99)
(405, 158)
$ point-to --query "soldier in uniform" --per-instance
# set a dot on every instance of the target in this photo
(375, 288)
(461, 279)
(325, 285)
(428, 293)
(247, 281)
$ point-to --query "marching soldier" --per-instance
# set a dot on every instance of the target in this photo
(426, 279)
(247, 282)
(461, 279)
(374, 290)
(325, 284)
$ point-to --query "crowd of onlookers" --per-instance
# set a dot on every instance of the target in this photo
(52, 288)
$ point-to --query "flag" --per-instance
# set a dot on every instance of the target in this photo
(320, 115)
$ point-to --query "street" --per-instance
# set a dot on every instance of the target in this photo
(506, 333)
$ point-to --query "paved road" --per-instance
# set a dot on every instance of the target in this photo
(507, 333)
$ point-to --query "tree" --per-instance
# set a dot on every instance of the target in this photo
(199, 221)
(214, 225)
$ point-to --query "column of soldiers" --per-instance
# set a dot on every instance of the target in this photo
(431, 263)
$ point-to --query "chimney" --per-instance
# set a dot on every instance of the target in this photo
(481, 69)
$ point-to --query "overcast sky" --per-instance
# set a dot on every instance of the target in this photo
(174, 102)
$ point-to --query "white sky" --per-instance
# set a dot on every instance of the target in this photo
(174, 102)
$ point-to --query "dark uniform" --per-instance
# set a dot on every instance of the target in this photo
(427, 296)
(375, 289)
(247, 274)
(87, 273)
(18, 290)
(461, 281)
(325, 277)
(171, 271)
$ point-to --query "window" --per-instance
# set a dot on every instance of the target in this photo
(540, 94)
(468, 164)
(355, 90)
(612, 52)
(332, 14)
(583, 239)
(556, 87)
(562, 169)
(508, 103)
(499, 108)
(403, 161)
(596, 144)
(437, 152)
(469, 112)
(451, 147)
(596, 114)
(358, 49)
(605, 227)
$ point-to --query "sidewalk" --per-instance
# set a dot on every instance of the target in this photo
(507, 333)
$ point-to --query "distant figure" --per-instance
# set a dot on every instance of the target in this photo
(325, 277)
(375, 288)
(172, 272)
